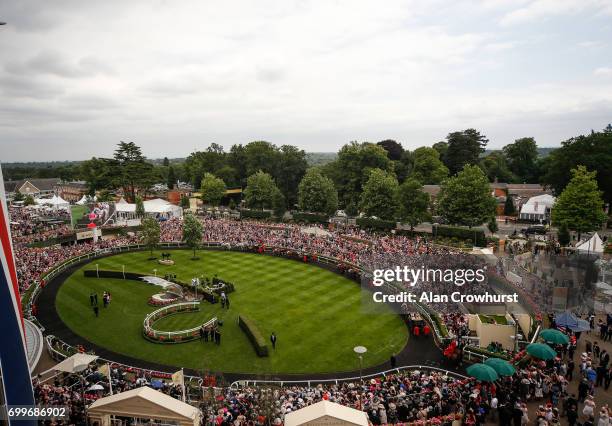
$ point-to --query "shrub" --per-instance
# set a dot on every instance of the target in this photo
(255, 214)
(376, 224)
(310, 218)
(254, 335)
(461, 233)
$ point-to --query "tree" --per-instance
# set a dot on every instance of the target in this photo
(522, 156)
(171, 178)
(580, 206)
(260, 191)
(442, 148)
(379, 197)
(98, 173)
(464, 148)
(278, 203)
(185, 201)
(212, 189)
(394, 149)
(495, 167)
(594, 151)
(352, 169)
(261, 155)
(130, 170)
(150, 233)
(290, 170)
(427, 167)
(140, 209)
(492, 226)
(105, 195)
(316, 193)
(564, 235)
(412, 203)
(466, 199)
(192, 232)
(29, 200)
(18, 196)
(509, 209)
(166, 162)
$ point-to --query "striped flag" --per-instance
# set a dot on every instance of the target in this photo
(14, 367)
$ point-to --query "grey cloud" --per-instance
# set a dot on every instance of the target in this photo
(23, 87)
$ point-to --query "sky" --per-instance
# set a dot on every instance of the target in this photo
(77, 77)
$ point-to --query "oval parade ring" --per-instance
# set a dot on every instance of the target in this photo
(287, 365)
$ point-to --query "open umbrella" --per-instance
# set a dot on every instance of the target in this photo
(541, 351)
(554, 336)
(482, 372)
(96, 387)
(503, 367)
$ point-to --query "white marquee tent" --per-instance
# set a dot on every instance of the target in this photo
(156, 208)
(143, 403)
(56, 202)
(326, 413)
(592, 245)
(537, 208)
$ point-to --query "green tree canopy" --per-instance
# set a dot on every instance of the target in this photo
(466, 199)
(184, 201)
(130, 170)
(260, 191)
(594, 151)
(192, 232)
(171, 178)
(140, 209)
(464, 148)
(379, 197)
(496, 168)
(317, 193)
(427, 167)
(522, 156)
(413, 203)
(352, 169)
(580, 206)
(509, 209)
(150, 233)
(393, 148)
(18, 196)
(212, 189)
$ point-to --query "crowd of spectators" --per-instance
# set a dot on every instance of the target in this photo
(30, 225)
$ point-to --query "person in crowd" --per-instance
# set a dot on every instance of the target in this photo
(273, 340)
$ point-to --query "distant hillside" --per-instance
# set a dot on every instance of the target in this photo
(320, 158)
(542, 152)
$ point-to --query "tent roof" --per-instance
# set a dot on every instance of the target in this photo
(593, 244)
(151, 206)
(315, 414)
(75, 363)
(146, 403)
(569, 320)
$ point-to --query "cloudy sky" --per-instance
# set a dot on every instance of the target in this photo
(78, 76)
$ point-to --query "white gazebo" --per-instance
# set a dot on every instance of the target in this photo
(157, 208)
(143, 404)
(326, 413)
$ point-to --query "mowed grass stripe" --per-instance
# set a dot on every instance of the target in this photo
(316, 314)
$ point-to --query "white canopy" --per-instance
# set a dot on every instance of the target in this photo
(151, 206)
(54, 201)
(538, 205)
(82, 201)
(592, 245)
(326, 412)
(75, 363)
(144, 403)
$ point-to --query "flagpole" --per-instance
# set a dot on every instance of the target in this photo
(110, 381)
(183, 378)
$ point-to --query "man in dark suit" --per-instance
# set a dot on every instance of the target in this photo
(273, 340)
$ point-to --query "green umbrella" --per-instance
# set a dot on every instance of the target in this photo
(503, 367)
(482, 372)
(554, 336)
(541, 351)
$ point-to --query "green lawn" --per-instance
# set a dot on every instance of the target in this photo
(317, 315)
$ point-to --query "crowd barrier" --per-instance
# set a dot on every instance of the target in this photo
(173, 336)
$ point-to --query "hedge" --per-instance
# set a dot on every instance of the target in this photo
(254, 335)
(112, 274)
(376, 224)
(476, 235)
(310, 218)
(255, 214)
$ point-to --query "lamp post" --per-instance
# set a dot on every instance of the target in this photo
(360, 350)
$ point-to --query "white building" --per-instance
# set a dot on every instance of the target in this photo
(538, 208)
